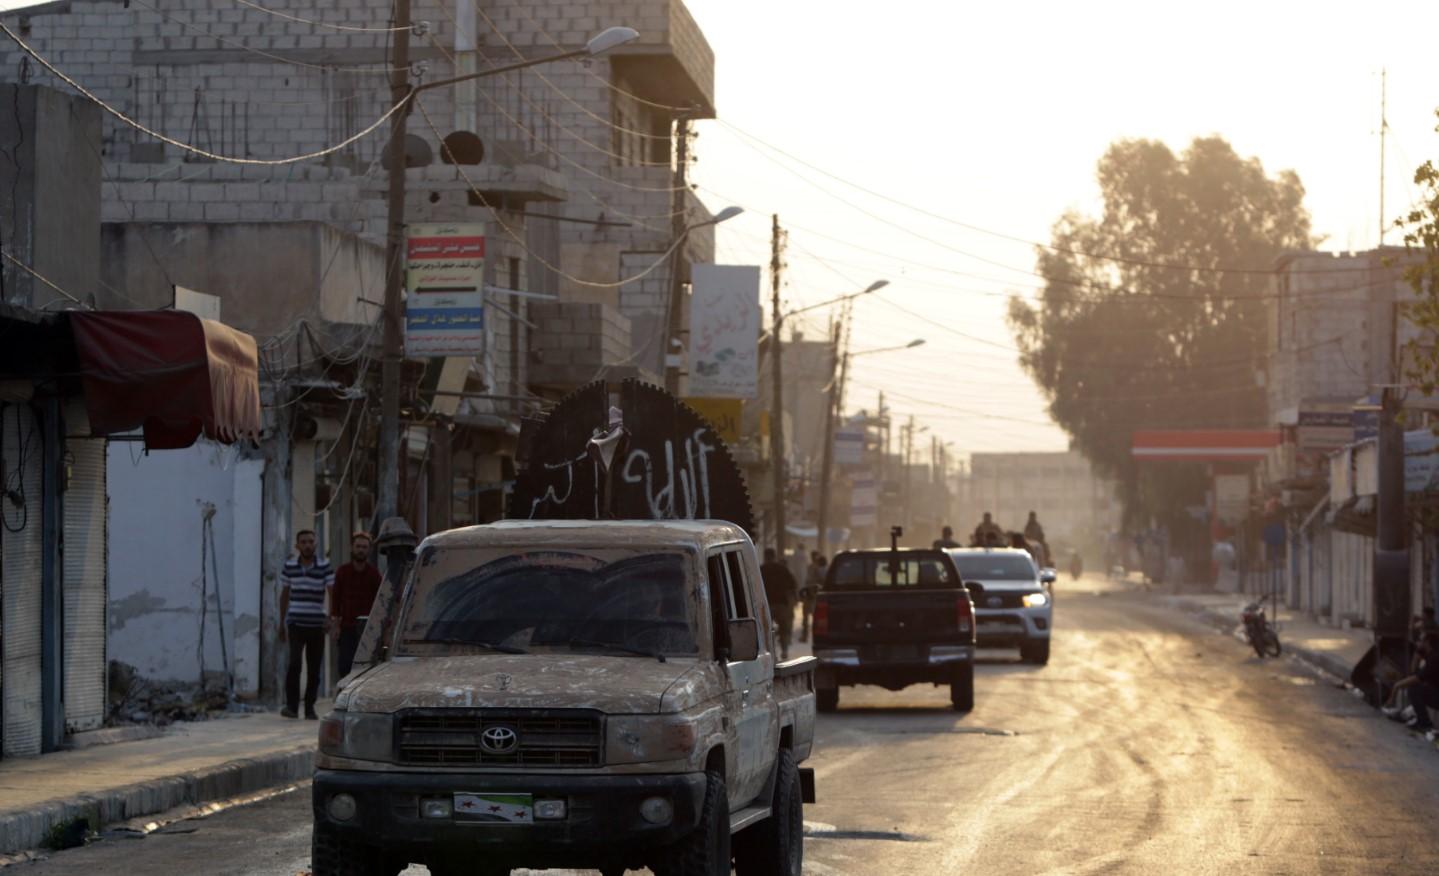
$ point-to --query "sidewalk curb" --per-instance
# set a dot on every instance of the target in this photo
(22, 830)
(1227, 623)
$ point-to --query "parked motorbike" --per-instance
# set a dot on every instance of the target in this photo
(1263, 638)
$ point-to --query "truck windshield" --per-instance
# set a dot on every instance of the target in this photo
(593, 601)
(994, 567)
(883, 569)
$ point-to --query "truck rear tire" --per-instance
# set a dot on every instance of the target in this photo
(706, 851)
(961, 688)
(1035, 652)
(826, 699)
(336, 853)
(775, 846)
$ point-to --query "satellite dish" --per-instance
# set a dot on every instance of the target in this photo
(417, 153)
(462, 147)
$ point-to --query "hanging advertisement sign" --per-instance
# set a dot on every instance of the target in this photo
(849, 445)
(724, 331)
(864, 502)
(444, 279)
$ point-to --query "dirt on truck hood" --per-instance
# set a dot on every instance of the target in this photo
(614, 685)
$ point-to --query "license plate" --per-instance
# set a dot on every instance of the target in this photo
(898, 652)
(495, 808)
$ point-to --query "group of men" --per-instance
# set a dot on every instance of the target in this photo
(991, 534)
(305, 582)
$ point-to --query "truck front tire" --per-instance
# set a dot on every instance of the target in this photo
(1036, 652)
(706, 851)
(775, 846)
(961, 688)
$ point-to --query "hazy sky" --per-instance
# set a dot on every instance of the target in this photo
(994, 114)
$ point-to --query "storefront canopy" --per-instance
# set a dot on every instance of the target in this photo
(170, 373)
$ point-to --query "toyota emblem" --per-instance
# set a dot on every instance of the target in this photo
(499, 740)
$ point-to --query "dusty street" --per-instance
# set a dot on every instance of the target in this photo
(1148, 745)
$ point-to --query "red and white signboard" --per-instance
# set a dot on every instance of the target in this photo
(1205, 445)
(444, 278)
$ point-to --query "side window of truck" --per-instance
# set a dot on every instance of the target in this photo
(739, 594)
(720, 607)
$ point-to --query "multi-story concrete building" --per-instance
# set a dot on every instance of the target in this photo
(1077, 507)
(569, 167)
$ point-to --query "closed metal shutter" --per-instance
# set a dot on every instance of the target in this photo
(21, 554)
(84, 565)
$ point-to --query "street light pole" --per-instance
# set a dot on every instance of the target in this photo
(776, 413)
(401, 92)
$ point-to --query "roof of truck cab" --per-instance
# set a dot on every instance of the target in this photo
(700, 534)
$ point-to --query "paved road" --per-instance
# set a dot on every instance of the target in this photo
(1148, 745)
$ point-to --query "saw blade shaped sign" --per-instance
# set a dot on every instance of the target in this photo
(659, 460)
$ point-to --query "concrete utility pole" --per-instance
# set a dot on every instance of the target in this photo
(836, 389)
(387, 502)
(908, 487)
(776, 411)
(679, 263)
(1391, 557)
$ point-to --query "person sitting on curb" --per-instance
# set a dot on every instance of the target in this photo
(1424, 690)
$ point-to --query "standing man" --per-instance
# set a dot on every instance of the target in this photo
(988, 533)
(304, 582)
(1033, 532)
(946, 539)
(356, 584)
(813, 581)
(779, 590)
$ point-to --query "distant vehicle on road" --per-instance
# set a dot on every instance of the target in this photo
(1013, 600)
(572, 694)
(894, 618)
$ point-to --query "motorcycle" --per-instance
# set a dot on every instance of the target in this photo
(1263, 638)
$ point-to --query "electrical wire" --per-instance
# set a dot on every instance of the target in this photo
(343, 27)
(203, 153)
(42, 278)
(1147, 263)
(281, 59)
(520, 242)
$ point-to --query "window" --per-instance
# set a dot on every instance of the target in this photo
(739, 593)
(908, 569)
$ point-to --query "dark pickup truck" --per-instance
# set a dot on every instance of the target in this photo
(894, 618)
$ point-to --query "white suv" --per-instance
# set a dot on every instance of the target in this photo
(1013, 604)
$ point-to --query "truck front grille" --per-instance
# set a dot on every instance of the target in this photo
(545, 738)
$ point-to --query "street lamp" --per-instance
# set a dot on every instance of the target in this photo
(403, 93)
(836, 404)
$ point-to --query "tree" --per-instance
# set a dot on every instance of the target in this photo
(1153, 314)
(1421, 269)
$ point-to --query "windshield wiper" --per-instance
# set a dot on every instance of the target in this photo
(455, 640)
(638, 652)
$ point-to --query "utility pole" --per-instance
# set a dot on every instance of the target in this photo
(1383, 130)
(908, 490)
(679, 263)
(387, 502)
(776, 411)
(836, 390)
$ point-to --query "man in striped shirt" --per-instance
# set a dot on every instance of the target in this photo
(304, 583)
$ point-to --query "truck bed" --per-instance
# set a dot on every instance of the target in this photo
(794, 694)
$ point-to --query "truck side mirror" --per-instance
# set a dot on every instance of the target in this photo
(1048, 576)
(743, 640)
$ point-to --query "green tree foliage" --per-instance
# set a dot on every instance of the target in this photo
(1137, 326)
(1421, 238)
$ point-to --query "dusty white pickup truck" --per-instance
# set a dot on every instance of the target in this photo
(587, 694)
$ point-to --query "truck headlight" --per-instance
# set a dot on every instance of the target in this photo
(357, 735)
(1036, 600)
(649, 738)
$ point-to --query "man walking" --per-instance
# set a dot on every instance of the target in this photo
(356, 584)
(304, 582)
(779, 591)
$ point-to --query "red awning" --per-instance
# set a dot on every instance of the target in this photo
(169, 372)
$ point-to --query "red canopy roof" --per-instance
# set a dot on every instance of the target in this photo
(169, 372)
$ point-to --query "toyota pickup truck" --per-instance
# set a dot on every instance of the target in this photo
(894, 618)
(572, 694)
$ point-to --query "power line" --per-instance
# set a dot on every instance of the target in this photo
(1147, 263)
(41, 277)
(203, 153)
(296, 18)
(191, 26)
(520, 242)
